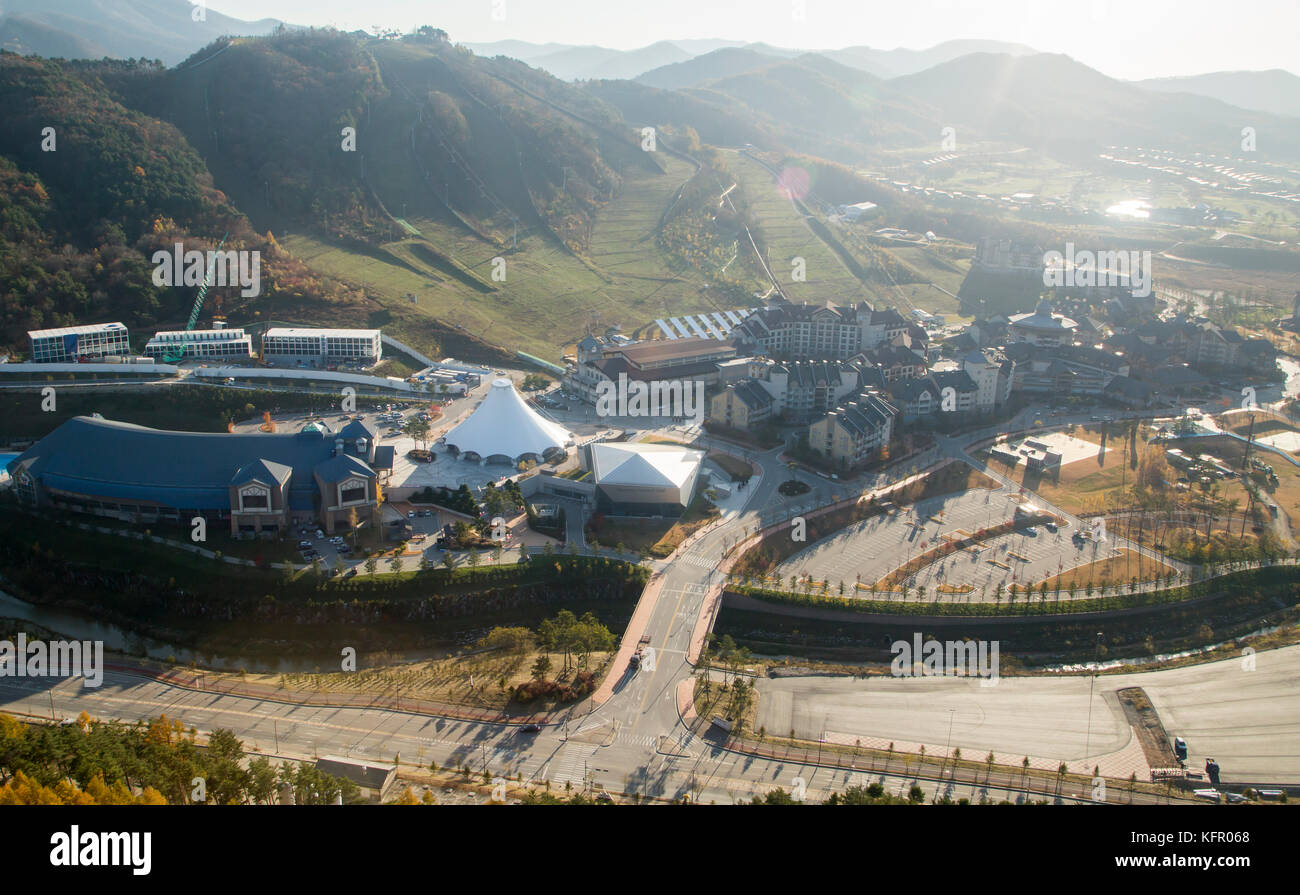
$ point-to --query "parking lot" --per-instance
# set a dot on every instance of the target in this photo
(313, 544)
(869, 550)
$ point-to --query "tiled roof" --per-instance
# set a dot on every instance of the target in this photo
(865, 415)
(752, 394)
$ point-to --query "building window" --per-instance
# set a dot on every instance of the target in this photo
(353, 494)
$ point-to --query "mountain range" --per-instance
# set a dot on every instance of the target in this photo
(167, 30)
(572, 63)
(463, 158)
(172, 30)
(1274, 91)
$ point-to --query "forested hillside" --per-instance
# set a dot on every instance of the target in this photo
(89, 189)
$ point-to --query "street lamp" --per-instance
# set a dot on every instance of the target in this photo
(1091, 683)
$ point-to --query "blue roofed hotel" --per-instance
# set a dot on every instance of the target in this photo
(260, 484)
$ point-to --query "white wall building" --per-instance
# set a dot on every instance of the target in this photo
(857, 211)
(644, 479)
(68, 343)
(322, 346)
(200, 343)
(985, 368)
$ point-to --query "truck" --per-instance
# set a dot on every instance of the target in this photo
(640, 651)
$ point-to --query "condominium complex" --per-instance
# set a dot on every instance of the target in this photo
(600, 361)
(854, 432)
(70, 344)
(323, 346)
(826, 331)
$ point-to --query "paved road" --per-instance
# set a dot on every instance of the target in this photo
(1248, 720)
(636, 740)
(595, 752)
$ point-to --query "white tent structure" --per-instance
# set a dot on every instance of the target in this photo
(503, 425)
(644, 479)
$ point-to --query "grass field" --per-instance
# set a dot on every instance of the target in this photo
(189, 408)
(787, 236)
(1264, 423)
(548, 295)
(736, 468)
(659, 537)
(1112, 570)
(475, 679)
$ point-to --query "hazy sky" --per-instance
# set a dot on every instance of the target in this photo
(1123, 38)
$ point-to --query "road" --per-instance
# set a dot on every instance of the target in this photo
(1248, 720)
(632, 736)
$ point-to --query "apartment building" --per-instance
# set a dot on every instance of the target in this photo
(322, 346)
(855, 432)
(69, 344)
(220, 342)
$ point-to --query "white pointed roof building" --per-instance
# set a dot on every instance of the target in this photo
(503, 425)
(644, 479)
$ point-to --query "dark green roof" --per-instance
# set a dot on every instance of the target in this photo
(178, 469)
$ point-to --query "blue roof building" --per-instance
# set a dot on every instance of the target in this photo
(262, 483)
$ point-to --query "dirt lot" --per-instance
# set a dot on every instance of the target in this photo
(474, 679)
(1095, 485)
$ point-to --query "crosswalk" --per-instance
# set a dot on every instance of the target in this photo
(699, 560)
(648, 740)
(570, 766)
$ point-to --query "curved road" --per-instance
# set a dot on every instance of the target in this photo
(631, 737)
